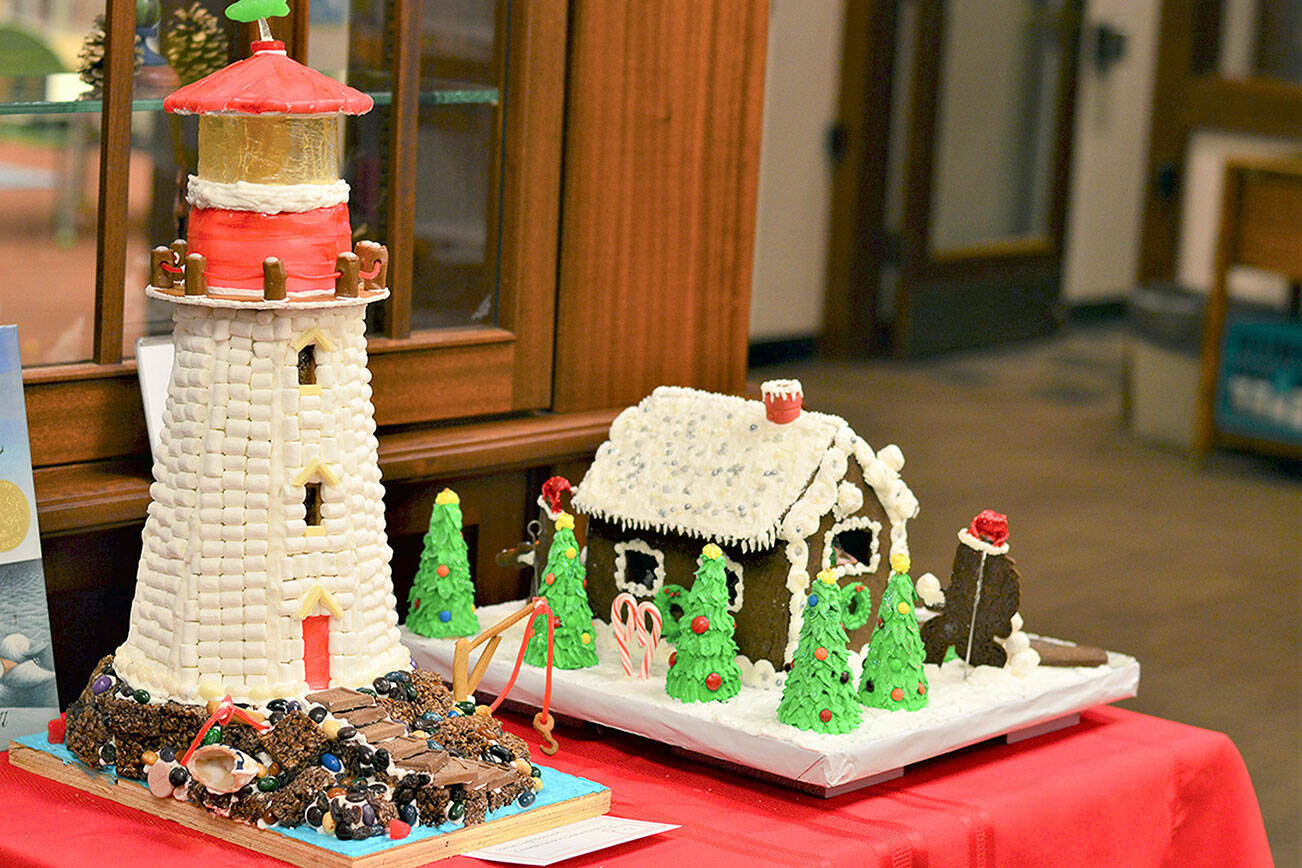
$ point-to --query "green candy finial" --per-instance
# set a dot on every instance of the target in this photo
(251, 10)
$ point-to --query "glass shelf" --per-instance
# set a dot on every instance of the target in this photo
(73, 104)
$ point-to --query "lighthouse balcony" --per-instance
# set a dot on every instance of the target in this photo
(357, 275)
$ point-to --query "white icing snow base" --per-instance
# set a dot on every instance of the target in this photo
(746, 730)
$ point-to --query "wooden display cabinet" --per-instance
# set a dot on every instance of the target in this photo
(627, 195)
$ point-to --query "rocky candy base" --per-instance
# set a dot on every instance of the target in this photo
(350, 763)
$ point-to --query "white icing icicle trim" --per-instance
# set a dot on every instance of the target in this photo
(787, 389)
(981, 545)
(264, 198)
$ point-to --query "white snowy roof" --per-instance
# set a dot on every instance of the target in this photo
(712, 466)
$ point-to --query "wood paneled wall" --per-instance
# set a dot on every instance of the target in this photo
(662, 142)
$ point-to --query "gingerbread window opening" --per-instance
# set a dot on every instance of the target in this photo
(307, 365)
(312, 504)
(733, 574)
(852, 546)
(639, 568)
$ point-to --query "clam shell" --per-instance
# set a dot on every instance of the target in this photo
(222, 769)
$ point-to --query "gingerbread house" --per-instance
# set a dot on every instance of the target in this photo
(265, 566)
(783, 491)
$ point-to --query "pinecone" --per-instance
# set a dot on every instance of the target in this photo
(90, 59)
(194, 43)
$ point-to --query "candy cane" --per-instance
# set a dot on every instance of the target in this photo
(651, 639)
(624, 629)
(628, 621)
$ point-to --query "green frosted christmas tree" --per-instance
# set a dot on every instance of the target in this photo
(893, 675)
(819, 692)
(442, 598)
(564, 587)
(703, 667)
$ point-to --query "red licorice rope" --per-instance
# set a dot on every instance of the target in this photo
(539, 606)
(226, 709)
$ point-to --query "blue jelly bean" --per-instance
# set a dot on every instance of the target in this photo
(331, 762)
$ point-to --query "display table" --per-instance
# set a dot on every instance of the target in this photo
(1118, 789)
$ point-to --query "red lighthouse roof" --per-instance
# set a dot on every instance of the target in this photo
(268, 82)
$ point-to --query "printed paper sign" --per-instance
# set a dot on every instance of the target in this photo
(566, 842)
(28, 696)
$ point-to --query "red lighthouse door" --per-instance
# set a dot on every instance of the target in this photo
(316, 651)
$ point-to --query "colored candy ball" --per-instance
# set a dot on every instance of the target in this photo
(141, 696)
(466, 706)
(813, 599)
(527, 798)
(922, 689)
(408, 814)
(456, 810)
(897, 694)
(902, 608)
(549, 578)
(101, 685)
(585, 638)
(673, 657)
(213, 735)
(845, 677)
(178, 776)
(714, 681)
(820, 653)
(442, 571)
(825, 715)
(700, 624)
(445, 616)
(900, 562)
(571, 553)
(331, 762)
(268, 784)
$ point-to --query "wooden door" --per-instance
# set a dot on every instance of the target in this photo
(949, 204)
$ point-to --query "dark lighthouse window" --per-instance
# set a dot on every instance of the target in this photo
(312, 503)
(307, 365)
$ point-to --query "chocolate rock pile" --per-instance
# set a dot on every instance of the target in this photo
(350, 763)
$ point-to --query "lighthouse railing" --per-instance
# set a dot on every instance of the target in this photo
(363, 269)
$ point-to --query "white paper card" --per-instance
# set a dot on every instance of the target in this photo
(154, 357)
(566, 842)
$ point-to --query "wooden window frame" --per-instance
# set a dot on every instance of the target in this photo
(90, 411)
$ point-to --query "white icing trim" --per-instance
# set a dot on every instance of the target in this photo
(264, 198)
(635, 588)
(304, 301)
(981, 545)
(787, 389)
(860, 568)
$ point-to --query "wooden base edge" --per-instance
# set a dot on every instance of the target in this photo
(408, 855)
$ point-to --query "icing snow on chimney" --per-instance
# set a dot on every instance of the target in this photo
(782, 400)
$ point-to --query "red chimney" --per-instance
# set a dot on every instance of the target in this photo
(782, 400)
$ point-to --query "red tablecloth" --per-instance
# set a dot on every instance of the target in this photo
(1119, 789)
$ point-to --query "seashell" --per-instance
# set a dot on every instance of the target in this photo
(15, 646)
(159, 780)
(26, 675)
(222, 769)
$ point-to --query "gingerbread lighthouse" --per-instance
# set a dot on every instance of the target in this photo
(265, 566)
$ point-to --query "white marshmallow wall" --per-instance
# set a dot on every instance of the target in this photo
(227, 562)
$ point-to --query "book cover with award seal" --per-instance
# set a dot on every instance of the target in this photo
(28, 696)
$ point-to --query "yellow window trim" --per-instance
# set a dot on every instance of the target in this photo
(313, 335)
(317, 467)
(318, 594)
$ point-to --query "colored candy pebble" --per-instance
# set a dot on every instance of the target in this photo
(825, 715)
(408, 814)
(346, 732)
(897, 694)
(714, 681)
(149, 758)
(585, 638)
(571, 553)
(456, 810)
(466, 706)
(331, 728)
(399, 829)
(331, 762)
(213, 735)
(700, 624)
(550, 578)
(317, 713)
(268, 784)
(902, 608)
(141, 696)
(922, 689)
(442, 571)
(101, 685)
(527, 798)
(56, 730)
(445, 616)
(381, 685)
(820, 653)
(813, 599)
(166, 754)
(178, 776)
(314, 815)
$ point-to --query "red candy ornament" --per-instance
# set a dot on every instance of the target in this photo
(57, 729)
(825, 715)
(990, 526)
(820, 653)
(922, 689)
(714, 681)
(700, 624)
(442, 571)
(398, 829)
(673, 657)
(897, 694)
